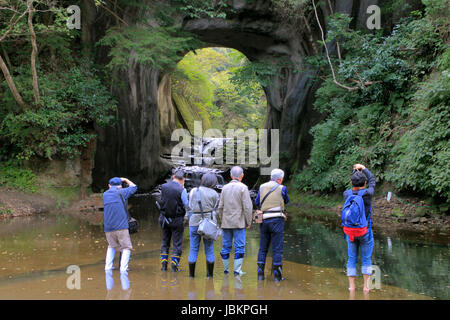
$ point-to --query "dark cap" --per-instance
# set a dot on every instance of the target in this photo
(358, 179)
(179, 174)
(115, 181)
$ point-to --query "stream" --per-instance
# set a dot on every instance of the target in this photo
(36, 251)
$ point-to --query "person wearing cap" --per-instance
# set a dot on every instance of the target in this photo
(273, 196)
(174, 202)
(235, 215)
(116, 222)
(361, 179)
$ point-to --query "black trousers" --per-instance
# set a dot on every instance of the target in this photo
(172, 231)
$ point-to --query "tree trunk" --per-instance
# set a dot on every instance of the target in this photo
(33, 51)
(11, 84)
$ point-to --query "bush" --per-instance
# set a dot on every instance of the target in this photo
(71, 102)
(12, 175)
(398, 125)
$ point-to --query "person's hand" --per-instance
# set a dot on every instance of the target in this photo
(359, 167)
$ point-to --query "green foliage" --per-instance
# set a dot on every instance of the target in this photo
(196, 9)
(397, 122)
(425, 166)
(157, 47)
(71, 102)
(202, 83)
(14, 176)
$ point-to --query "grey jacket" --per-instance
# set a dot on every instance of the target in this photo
(235, 206)
(209, 199)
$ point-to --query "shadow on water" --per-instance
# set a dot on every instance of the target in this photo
(36, 251)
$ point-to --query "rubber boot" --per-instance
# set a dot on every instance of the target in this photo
(110, 253)
(124, 260)
(175, 262)
(277, 274)
(209, 269)
(261, 271)
(191, 269)
(238, 267)
(164, 261)
(226, 265)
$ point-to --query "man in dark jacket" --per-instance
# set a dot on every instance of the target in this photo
(116, 222)
(362, 179)
(173, 202)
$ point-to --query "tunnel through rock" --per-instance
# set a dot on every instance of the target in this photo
(133, 147)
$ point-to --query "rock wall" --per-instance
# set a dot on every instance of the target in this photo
(147, 116)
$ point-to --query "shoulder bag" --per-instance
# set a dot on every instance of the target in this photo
(133, 224)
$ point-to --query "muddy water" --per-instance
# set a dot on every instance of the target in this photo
(36, 251)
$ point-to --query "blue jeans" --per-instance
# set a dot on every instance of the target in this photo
(365, 245)
(227, 242)
(271, 230)
(195, 246)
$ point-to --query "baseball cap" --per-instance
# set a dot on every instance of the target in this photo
(115, 181)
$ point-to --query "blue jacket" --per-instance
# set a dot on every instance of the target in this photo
(115, 216)
(367, 197)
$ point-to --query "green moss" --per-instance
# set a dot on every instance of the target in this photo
(17, 177)
(191, 112)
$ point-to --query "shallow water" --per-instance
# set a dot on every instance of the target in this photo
(36, 251)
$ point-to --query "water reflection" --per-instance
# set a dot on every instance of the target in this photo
(122, 293)
(34, 256)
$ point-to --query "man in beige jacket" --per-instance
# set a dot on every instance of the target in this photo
(235, 215)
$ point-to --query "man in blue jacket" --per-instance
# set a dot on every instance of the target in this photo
(116, 221)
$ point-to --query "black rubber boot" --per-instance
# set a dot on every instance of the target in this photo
(209, 269)
(191, 269)
(277, 274)
(164, 261)
(175, 267)
(261, 271)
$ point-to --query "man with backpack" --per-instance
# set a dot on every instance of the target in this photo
(356, 219)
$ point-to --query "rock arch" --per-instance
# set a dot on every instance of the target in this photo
(132, 148)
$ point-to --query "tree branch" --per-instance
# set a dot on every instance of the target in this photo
(328, 54)
(34, 51)
(12, 23)
(11, 84)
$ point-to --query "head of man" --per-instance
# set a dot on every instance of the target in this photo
(237, 173)
(277, 175)
(209, 180)
(116, 182)
(358, 179)
(179, 176)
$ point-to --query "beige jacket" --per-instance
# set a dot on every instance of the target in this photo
(235, 206)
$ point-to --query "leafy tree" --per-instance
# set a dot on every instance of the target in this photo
(397, 121)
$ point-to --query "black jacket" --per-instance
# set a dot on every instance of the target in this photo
(171, 203)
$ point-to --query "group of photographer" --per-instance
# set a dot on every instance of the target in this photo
(231, 213)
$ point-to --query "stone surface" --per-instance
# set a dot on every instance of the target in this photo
(146, 113)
